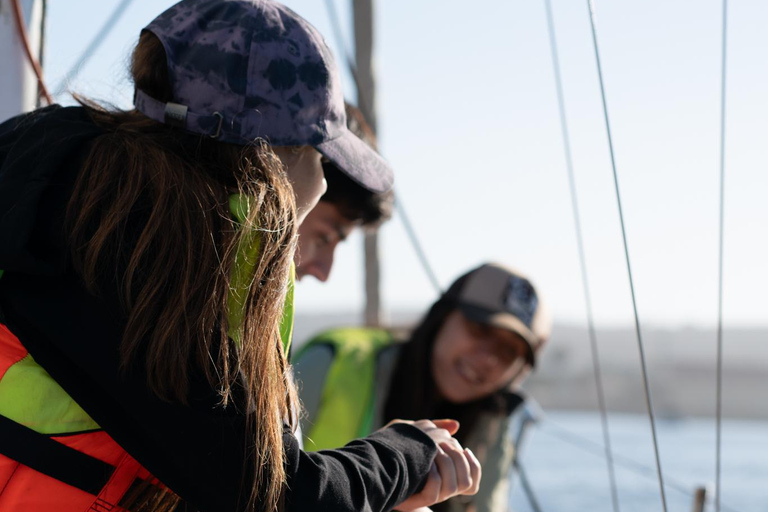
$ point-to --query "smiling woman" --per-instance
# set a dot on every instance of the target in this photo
(465, 360)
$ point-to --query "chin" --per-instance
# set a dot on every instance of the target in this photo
(466, 400)
(455, 398)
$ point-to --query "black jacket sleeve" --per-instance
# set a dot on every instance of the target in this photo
(375, 473)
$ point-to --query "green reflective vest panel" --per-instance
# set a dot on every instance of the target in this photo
(241, 277)
(29, 396)
(346, 408)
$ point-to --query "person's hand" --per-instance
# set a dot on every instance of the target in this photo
(454, 471)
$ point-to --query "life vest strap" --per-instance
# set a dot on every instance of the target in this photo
(52, 458)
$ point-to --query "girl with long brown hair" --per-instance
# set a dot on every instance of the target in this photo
(146, 258)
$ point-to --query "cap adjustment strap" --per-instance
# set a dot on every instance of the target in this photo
(175, 114)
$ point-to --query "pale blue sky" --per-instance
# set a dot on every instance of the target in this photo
(468, 117)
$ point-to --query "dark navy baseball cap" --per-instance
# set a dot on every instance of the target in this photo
(243, 70)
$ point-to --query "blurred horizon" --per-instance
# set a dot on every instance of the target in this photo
(680, 361)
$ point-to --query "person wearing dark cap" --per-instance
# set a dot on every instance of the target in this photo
(346, 206)
(465, 360)
(146, 265)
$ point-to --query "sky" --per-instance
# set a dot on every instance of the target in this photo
(468, 118)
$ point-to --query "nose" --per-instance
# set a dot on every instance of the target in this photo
(486, 361)
(321, 266)
(320, 274)
(324, 268)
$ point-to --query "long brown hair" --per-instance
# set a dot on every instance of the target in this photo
(152, 201)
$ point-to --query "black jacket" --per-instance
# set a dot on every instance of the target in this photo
(199, 450)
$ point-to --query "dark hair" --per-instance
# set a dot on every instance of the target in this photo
(353, 201)
(413, 394)
(149, 219)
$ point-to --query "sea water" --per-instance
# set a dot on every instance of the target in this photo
(563, 457)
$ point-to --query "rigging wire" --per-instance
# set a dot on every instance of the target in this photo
(21, 27)
(41, 53)
(641, 349)
(582, 259)
(719, 371)
(588, 445)
(526, 485)
(417, 245)
(364, 104)
(93, 46)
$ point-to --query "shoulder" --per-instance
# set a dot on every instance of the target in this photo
(52, 125)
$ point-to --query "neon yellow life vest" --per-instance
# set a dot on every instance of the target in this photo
(346, 409)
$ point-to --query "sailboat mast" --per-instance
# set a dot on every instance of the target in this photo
(366, 100)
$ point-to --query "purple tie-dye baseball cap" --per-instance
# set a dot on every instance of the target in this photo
(247, 69)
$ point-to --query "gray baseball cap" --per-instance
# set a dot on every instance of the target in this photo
(247, 69)
(498, 296)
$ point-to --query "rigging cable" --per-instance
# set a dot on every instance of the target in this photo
(526, 485)
(641, 350)
(719, 371)
(41, 56)
(417, 245)
(21, 27)
(582, 258)
(93, 46)
(363, 102)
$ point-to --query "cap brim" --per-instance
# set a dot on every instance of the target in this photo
(506, 321)
(358, 161)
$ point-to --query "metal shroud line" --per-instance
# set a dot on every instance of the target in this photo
(640, 346)
(719, 371)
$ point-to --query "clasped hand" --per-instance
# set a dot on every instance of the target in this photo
(454, 471)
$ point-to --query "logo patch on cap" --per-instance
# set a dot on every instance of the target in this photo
(520, 299)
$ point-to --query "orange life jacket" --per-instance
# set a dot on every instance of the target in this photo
(53, 456)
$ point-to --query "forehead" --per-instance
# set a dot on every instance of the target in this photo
(503, 335)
